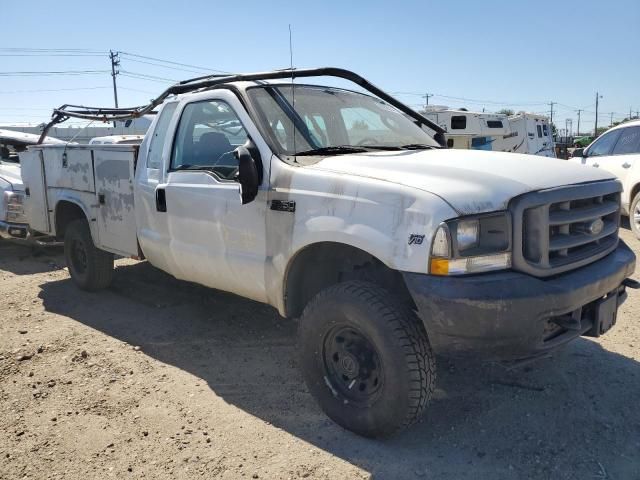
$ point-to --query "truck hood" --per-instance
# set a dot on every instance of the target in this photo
(10, 172)
(471, 181)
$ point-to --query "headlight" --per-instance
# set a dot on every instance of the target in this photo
(472, 245)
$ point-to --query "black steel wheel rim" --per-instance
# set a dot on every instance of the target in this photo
(352, 365)
(78, 256)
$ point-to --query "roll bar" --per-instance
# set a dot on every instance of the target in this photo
(67, 111)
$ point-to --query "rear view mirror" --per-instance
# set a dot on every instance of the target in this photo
(248, 176)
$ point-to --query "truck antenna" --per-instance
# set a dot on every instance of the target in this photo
(293, 91)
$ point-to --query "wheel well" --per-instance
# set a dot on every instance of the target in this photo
(321, 265)
(66, 212)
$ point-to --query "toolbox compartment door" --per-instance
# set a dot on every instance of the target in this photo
(36, 205)
(116, 219)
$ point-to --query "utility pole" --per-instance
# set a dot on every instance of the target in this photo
(630, 113)
(551, 104)
(611, 120)
(426, 97)
(578, 112)
(595, 131)
(115, 62)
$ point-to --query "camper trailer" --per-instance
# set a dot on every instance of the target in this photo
(530, 133)
(520, 133)
(469, 130)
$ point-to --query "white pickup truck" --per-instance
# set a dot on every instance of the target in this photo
(340, 209)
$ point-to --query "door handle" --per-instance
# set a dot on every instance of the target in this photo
(626, 165)
(161, 200)
(596, 165)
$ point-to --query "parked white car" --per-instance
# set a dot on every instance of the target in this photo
(13, 223)
(618, 151)
(339, 210)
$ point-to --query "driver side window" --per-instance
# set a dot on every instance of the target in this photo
(604, 144)
(208, 133)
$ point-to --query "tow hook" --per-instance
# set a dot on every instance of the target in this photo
(631, 283)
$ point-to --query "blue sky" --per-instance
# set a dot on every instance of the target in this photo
(495, 54)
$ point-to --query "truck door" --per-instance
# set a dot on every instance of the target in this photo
(151, 221)
(214, 239)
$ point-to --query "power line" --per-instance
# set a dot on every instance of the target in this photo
(12, 92)
(144, 76)
(50, 73)
(205, 69)
(168, 66)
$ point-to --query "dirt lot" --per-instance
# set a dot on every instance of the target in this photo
(158, 378)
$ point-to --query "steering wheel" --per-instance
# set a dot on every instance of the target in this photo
(367, 140)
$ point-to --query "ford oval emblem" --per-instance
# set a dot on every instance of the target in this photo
(595, 227)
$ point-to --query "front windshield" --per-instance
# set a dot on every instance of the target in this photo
(305, 119)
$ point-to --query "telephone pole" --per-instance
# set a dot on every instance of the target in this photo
(426, 97)
(115, 62)
(551, 104)
(578, 112)
(595, 131)
(611, 120)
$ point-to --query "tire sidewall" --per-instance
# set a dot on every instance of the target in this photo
(389, 407)
(77, 232)
(632, 223)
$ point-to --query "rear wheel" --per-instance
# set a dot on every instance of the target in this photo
(634, 215)
(90, 268)
(366, 359)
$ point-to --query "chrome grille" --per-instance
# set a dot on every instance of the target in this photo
(561, 229)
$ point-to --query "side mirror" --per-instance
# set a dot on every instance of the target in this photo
(248, 176)
(579, 152)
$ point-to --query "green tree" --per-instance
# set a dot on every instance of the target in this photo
(506, 111)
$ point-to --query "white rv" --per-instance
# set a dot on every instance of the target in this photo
(469, 130)
(520, 133)
(530, 133)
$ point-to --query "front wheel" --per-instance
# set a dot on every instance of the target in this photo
(90, 268)
(366, 359)
(634, 215)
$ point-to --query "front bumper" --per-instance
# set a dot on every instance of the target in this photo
(14, 230)
(512, 315)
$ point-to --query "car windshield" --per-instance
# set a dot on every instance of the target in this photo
(312, 120)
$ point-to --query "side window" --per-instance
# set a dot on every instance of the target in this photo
(539, 128)
(545, 129)
(629, 141)
(604, 144)
(208, 133)
(458, 122)
(494, 123)
(154, 155)
(317, 128)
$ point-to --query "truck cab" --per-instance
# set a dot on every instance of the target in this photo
(345, 211)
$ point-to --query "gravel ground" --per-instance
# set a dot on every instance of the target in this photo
(158, 378)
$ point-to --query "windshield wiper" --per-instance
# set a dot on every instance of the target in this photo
(417, 146)
(335, 150)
